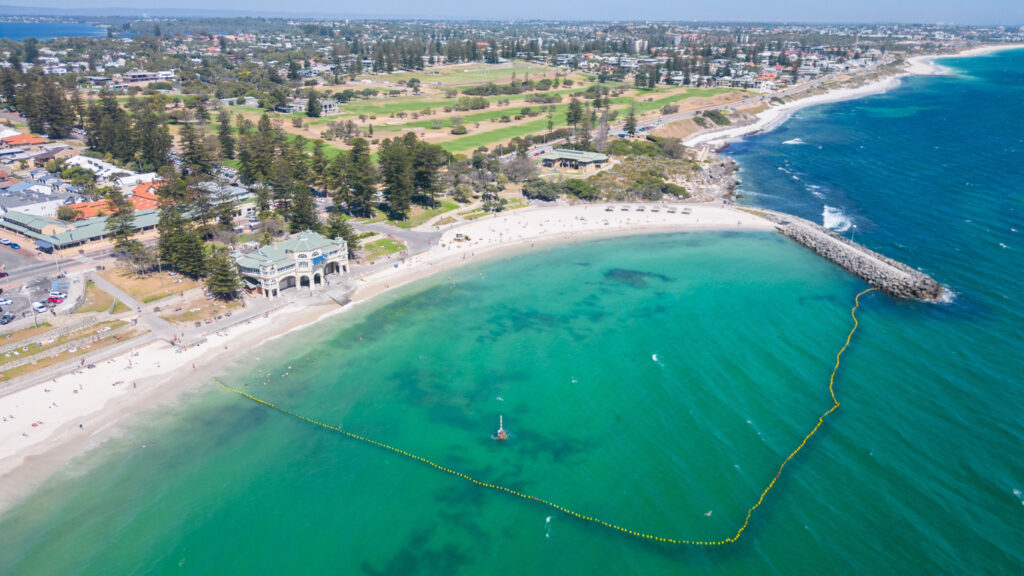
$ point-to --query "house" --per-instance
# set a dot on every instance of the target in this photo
(226, 193)
(301, 260)
(142, 198)
(23, 140)
(574, 159)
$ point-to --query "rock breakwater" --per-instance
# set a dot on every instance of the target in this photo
(890, 276)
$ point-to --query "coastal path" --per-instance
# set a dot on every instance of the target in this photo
(157, 325)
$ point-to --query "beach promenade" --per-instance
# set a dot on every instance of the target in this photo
(45, 425)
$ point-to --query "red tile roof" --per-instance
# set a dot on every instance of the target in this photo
(23, 140)
(92, 209)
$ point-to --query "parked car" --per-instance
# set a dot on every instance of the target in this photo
(38, 307)
(6, 319)
(54, 300)
(15, 246)
(3, 274)
(4, 241)
(58, 294)
(5, 302)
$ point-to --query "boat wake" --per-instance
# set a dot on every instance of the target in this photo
(795, 141)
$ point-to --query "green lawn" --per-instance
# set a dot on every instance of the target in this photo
(469, 74)
(380, 248)
(237, 109)
(658, 103)
(472, 141)
(418, 219)
(383, 107)
(330, 150)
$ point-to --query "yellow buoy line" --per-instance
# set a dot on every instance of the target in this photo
(643, 535)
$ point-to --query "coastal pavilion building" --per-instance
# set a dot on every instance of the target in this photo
(300, 260)
(574, 159)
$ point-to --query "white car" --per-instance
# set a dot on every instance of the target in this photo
(5, 302)
(39, 307)
(4, 241)
(56, 294)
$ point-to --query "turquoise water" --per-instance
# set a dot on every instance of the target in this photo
(18, 31)
(644, 380)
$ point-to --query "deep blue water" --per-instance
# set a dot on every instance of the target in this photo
(18, 31)
(647, 380)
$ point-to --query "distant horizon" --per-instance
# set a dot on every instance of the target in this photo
(799, 12)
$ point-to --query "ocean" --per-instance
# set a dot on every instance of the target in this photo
(18, 31)
(655, 382)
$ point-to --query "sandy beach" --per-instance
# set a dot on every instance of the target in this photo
(45, 426)
(775, 116)
(771, 118)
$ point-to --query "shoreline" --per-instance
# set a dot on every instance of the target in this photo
(83, 409)
(767, 120)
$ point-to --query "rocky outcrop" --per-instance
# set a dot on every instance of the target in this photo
(888, 275)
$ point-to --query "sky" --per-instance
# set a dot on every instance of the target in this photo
(1008, 12)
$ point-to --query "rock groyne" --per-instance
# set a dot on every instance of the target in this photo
(886, 274)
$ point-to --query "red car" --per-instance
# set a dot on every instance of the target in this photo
(3, 274)
(54, 299)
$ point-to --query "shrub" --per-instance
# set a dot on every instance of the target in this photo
(718, 117)
(460, 130)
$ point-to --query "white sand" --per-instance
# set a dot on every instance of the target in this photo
(524, 228)
(81, 409)
(773, 117)
(776, 115)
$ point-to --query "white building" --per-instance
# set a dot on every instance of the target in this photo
(301, 260)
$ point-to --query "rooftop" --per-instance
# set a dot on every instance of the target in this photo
(60, 234)
(577, 155)
(279, 253)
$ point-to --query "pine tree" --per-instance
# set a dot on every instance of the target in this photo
(227, 142)
(313, 107)
(396, 171)
(121, 223)
(318, 165)
(302, 211)
(583, 136)
(193, 153)
(152, 140)
(338, 227)
(630, 123)
(223, 281)
(575, 113)
(360, 177)
(191, 255)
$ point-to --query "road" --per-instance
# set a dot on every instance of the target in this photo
(416, 241)
(648, 125)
